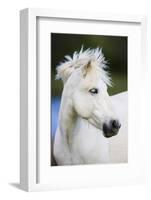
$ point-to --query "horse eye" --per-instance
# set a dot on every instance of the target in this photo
(93, 91)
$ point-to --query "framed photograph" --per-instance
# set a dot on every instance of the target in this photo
(81, 121)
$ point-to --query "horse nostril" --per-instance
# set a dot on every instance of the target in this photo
(116, 124)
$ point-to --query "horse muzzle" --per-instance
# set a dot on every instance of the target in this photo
(111, 129)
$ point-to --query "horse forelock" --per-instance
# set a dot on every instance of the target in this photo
(80, 59)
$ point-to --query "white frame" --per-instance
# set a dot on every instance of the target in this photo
(28, 82)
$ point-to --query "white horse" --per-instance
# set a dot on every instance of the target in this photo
(88, 116)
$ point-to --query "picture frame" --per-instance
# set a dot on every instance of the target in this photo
(34, 167)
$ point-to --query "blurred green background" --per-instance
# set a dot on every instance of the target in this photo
(114, 49)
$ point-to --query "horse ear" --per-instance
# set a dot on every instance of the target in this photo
(86, 68)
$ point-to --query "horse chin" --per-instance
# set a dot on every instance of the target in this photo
(110, 134)
(100, 128)
(97, 126)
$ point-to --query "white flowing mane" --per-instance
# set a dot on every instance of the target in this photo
(81, 58)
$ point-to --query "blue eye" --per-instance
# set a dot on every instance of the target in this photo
(94, 91)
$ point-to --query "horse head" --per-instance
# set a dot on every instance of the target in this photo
(86, 81)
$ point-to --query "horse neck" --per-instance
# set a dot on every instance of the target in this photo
(67, 116)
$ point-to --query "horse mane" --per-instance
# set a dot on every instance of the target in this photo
(81, 58)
